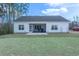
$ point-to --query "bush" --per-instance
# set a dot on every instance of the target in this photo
(5, 29)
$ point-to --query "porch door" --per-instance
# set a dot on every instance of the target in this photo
(37, 28)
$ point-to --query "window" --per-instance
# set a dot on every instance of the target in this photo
(54, 27)
(21, 27)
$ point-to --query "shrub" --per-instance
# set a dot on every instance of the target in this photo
(5, 29)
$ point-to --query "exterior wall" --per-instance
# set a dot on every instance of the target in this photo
(16, 29)
(62, 26)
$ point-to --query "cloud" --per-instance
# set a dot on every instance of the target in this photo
(54, 4)
(50, 1)
(64, 10)
(56, 11)
(63, 5)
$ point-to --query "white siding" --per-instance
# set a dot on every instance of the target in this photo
(62, 26)
(16, 27)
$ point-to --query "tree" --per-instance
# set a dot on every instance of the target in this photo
(11, 11)
(20, 8)
(75, 22)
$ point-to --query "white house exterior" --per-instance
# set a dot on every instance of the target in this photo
(41, 26)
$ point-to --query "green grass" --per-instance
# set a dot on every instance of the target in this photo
(50, 45)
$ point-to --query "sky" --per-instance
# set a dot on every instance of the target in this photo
(39, 1)
(67, 10)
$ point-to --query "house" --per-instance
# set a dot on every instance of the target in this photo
(41, 24)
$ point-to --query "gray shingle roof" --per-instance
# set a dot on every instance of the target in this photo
(41, 18)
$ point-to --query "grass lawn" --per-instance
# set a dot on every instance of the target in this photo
(45, 45)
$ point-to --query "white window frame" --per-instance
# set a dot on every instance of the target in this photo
(54, 27)
(21, 27)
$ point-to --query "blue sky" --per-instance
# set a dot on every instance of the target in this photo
(67, 10)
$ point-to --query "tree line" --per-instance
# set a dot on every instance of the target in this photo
(74, 23)
(10, 12)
